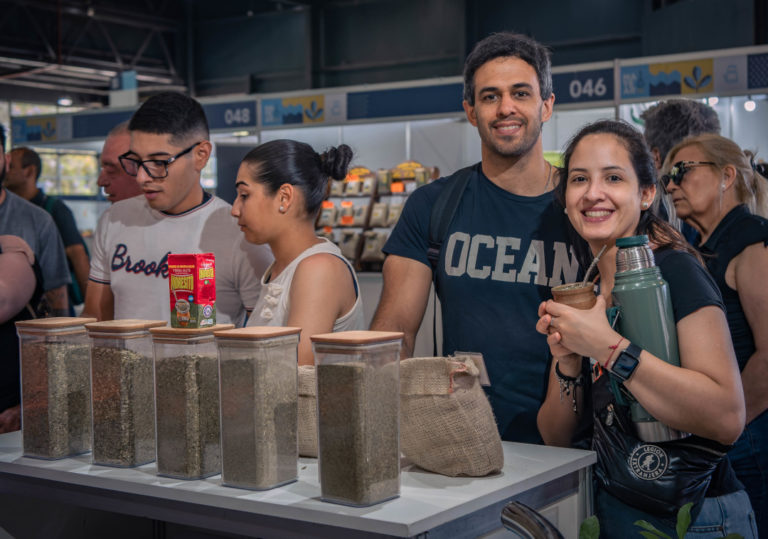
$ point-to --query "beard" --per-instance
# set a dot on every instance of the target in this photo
(508, 146)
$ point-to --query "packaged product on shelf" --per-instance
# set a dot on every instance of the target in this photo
(55, 387)
(358, 408)
(394, 213)
(346, 215)
(337, 188)
(327, 214)
(361, 213)
(374, 241)
(122, 392)
(326, 232)
(192, 285)
(379, 214)
(307, 411)
(383, 181)
(420, 176)
(259, 406)
(187, 401)
(352, 187)
(369, 185)
(446, 421)
(349, 242)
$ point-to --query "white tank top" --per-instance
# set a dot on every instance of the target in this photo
(272, 308)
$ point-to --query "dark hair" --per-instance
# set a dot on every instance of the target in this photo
(506, 44)
(171, 113)
(659, 231)
(284, 161)
(669, 122)
(2, 137)
(30, 158)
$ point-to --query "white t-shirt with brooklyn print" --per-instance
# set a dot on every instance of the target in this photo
(131, 247)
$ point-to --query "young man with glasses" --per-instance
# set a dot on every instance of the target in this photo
(168, 150)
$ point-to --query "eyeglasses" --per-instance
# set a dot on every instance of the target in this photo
(679, 169)
(155, 168)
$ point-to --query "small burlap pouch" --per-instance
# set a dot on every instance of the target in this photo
(446, 422)
(307, 411)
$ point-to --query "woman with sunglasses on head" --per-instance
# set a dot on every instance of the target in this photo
(280, 187)
(608, 187)
(715, 188)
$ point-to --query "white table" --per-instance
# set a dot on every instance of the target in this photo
(553, 480)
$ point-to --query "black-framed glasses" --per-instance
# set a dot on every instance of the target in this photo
(155, 168)
(678, 170)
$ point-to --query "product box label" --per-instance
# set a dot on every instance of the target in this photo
(192, 285)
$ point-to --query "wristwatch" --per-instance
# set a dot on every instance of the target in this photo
(626, 363)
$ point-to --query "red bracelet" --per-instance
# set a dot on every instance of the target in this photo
(609, 362)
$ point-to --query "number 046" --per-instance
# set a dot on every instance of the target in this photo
(588, 88)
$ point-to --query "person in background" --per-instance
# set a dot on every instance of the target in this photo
(23, 173)
(280, 187)
(506, 245)
(715, 189)
(115, 183)
(36, 227)
(19, 288)
(129, 271)
(668, 122)
(608, 189)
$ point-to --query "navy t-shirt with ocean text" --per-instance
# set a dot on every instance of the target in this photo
(502, 254)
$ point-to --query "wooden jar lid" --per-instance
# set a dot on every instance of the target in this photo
(168, 331)
(58, 322)
(256, 333)
(357, 337)
(123, 326)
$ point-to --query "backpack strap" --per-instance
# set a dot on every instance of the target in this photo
(440, 219)
(443, 211)
(48, 203)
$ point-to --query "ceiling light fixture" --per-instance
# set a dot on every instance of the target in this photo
(749, 104)
(65, 101)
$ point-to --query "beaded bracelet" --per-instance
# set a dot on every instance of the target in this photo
(568, 385)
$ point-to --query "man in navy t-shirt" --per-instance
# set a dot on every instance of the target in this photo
(506, 245)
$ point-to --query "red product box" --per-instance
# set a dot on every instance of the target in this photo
(192, 286)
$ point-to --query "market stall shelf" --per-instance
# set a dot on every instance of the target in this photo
(549, 479)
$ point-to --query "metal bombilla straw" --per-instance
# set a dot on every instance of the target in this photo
(593, 264)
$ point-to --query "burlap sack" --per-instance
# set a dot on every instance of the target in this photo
(307, 411)
(446, 422)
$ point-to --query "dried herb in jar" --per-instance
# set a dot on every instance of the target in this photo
(358, 436)
(56, 389)
(260, 417)
(187, 398)
(123, 407)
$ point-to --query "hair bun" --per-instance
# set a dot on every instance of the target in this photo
(335, 161)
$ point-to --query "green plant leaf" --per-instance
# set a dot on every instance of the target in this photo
(654, 533)
(683, 520)
(590, 528)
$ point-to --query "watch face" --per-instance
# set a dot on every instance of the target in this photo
(624, 365)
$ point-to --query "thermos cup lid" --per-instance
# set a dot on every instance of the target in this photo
(632, 241)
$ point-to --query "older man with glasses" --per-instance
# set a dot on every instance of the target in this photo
(169, 148)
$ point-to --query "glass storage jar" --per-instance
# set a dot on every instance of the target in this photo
(55, 387)
(122, 392)
(358, 399)
(187, 402)
(259, 406)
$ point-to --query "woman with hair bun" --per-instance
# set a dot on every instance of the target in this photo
(715, 187)
(280, 187)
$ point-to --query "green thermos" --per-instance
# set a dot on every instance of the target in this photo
(646, 319)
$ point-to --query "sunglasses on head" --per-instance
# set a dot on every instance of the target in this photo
(678, 170)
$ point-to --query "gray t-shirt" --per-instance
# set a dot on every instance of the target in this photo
(33, 224)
